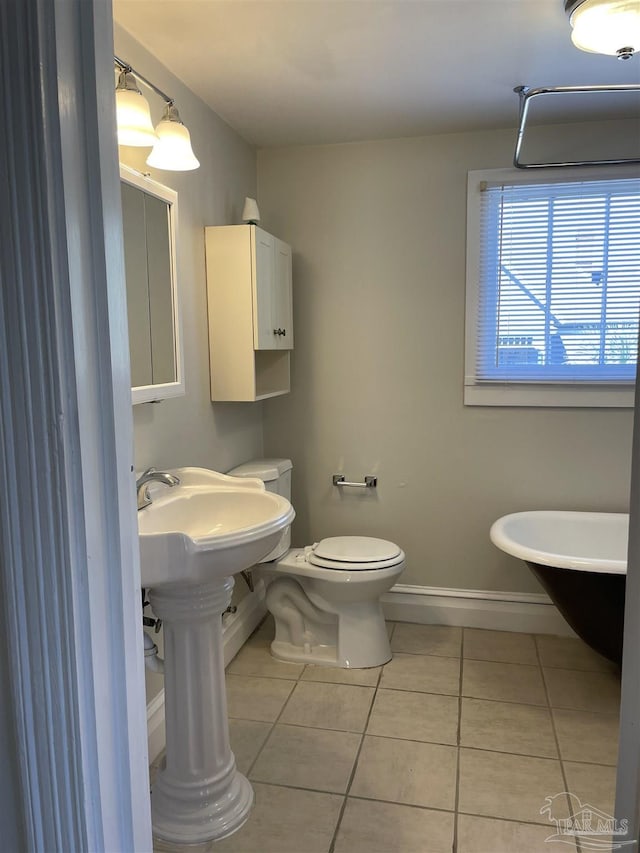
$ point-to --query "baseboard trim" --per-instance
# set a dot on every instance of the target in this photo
(155, 726)
(529, 613)
(236, 629)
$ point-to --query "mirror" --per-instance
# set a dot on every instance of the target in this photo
(149, 218)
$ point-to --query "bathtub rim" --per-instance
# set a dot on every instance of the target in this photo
(501, 539)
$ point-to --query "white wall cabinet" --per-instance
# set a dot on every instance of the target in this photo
(271, 283)
(249, 290)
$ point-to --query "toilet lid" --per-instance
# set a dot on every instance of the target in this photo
(357, 551)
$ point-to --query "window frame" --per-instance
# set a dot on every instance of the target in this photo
(514, 392)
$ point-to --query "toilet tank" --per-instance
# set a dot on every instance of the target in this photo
(276, 476)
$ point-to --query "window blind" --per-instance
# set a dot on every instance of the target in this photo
(559, 282)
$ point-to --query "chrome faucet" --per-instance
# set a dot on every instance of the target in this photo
(151, 475)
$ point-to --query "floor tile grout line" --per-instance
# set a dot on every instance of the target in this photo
(423, 692)
(446, 695)
(396, 803)
(515, 754)
(414, 739)
(291, 677)
(434, 693)
(298, 788)
(601, 670)
(357, 757)
(556, 739)
(450, 744)
(423, 654)
(365, 798)
(587, 763)
(454, 843)
(504, 819)
(340, 683)
(407, 805)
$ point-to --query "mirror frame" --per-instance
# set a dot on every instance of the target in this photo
(162, 391)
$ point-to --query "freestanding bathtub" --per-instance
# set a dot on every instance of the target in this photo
(580, 558)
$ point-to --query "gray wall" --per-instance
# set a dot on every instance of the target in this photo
(190, 430)
(378, 232)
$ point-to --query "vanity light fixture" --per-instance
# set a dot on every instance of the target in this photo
(173, 149)
(611, 27)
(133, 113)
(171, 140)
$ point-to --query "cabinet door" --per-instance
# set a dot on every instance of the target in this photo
(263, 290)
(282, 295)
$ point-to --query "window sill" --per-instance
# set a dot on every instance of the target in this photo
(552, 396)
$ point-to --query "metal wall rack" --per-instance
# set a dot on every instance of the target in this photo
(527, 94)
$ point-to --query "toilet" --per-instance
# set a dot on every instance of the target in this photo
(325, 598)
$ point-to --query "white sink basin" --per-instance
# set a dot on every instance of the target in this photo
(210, 526)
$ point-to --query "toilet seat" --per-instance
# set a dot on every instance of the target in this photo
(353, 553)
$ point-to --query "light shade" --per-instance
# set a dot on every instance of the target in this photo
(611, 27)
(250, 212)
(173, 150)
(132, 112)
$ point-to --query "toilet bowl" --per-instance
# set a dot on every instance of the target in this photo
(325, 598)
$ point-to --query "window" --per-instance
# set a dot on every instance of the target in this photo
(553, 288)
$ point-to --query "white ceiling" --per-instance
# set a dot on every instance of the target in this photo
(284, 72)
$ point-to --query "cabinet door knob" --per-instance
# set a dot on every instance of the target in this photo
(279, 331)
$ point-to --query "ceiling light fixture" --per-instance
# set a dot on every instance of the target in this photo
(611, 27)
(171, 140)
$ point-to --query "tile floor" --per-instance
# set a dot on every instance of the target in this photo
(452, 746)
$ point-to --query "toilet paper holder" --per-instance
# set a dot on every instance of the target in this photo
(370, 482)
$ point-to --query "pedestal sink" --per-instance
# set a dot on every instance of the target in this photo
(193, 538)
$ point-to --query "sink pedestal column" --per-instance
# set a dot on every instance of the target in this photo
(199, 795)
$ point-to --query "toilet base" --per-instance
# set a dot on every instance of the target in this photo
(354, 637)
(324, 656)
(331, 616)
